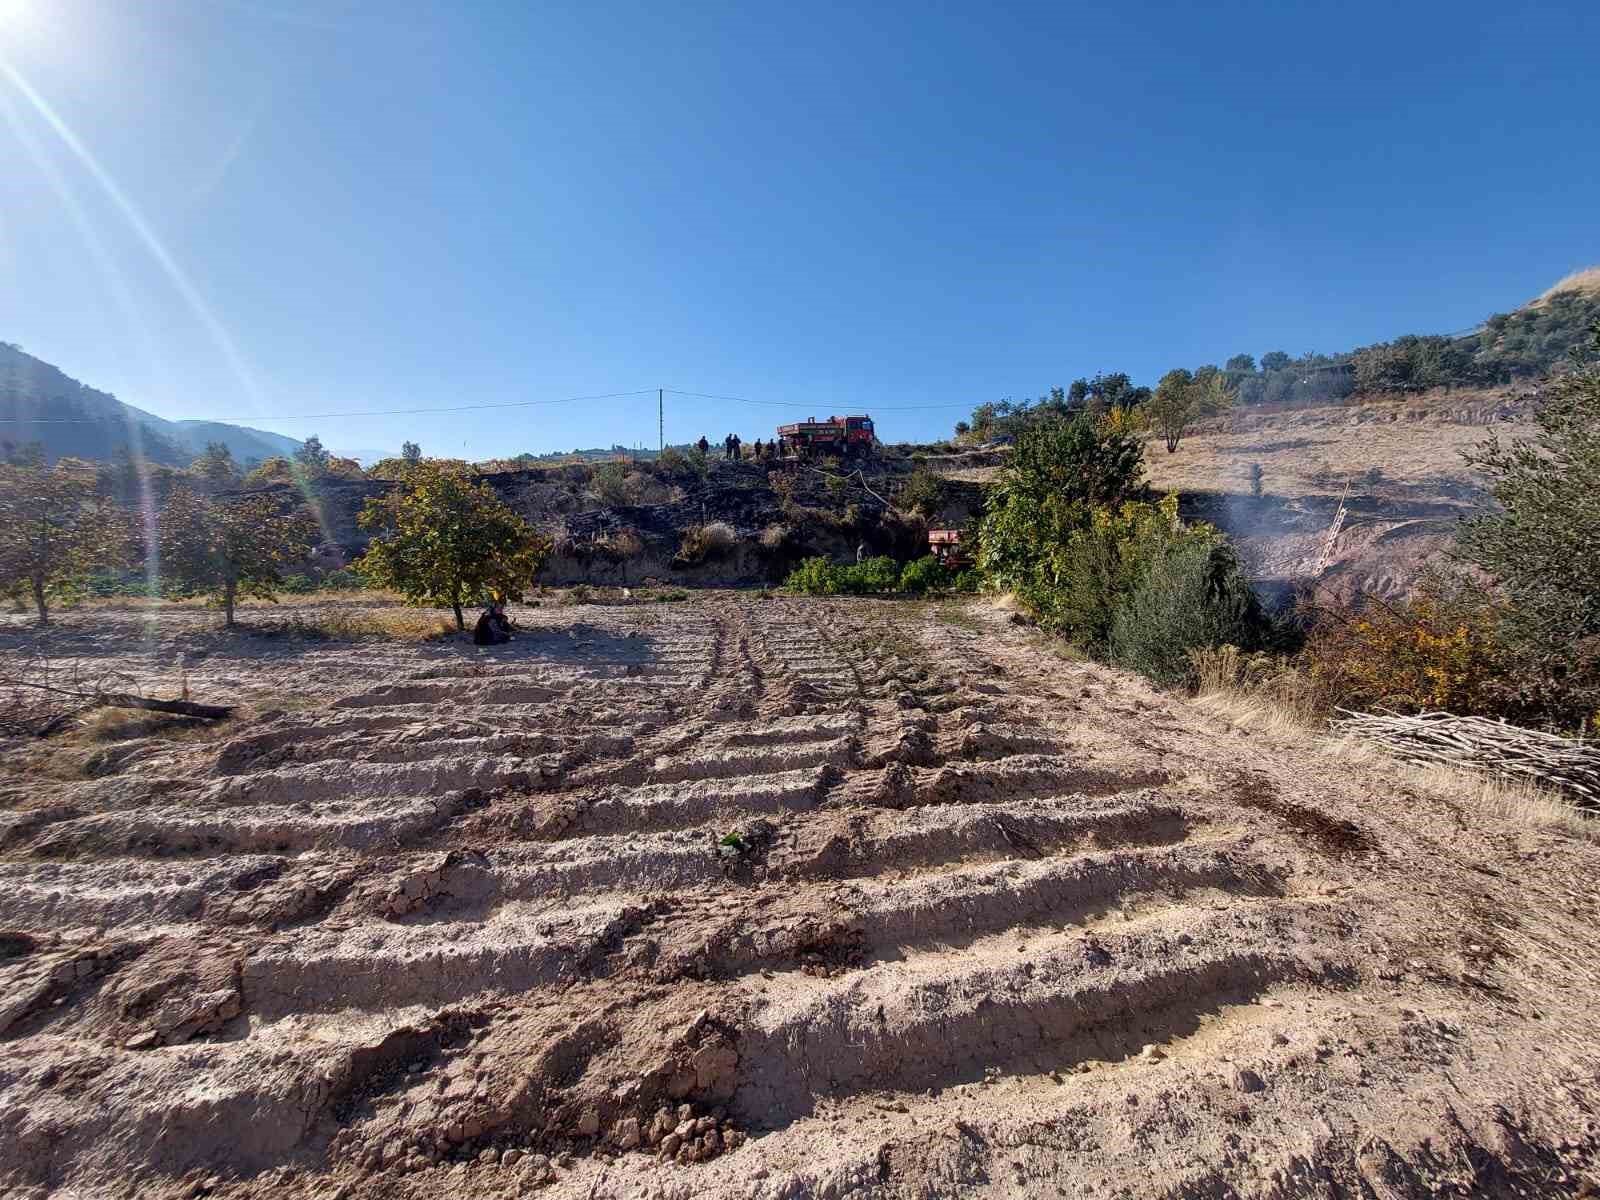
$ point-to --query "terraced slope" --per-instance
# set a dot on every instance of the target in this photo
(773, 898)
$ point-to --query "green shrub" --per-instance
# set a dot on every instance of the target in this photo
(815, 577)
(926, 574)
(1189, 596)
(880, 574)
(299, 585)
(923, 493)
(819, 577)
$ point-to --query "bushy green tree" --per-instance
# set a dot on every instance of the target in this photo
(923, 493)
(441, 538)
(312, 457)
(1187, 593)
(227, 548)
(215, 469)
(411, 452)
(1051, 483)
(1541, 543)
(1182, 398)
(55, 525)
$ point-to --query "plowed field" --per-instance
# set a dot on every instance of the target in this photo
(768, 898)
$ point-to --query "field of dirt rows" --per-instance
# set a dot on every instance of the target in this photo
(772, 898)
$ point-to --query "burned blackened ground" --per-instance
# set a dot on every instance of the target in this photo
(773, 897)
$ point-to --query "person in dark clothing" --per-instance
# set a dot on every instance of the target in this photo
(493, 628)
(738, 448)
(703, 444)
(757, 454)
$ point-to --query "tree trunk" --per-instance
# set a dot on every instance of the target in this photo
(38, 599)
(228, 591)
(461, 622)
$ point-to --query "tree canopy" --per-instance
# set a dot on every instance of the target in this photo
(1183, 397)
(54, 525)
(232, 547)
(441, 538)
(1539, 543)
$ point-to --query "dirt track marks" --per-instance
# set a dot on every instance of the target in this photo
(766, 858)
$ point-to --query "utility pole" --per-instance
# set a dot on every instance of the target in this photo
(661, 423)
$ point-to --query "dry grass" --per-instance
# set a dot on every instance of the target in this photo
(346, 625)
(1287, 715)
(1257, 691)
(1519, 802)
(245, 604)
(1585, 280)
(1256, 711)
(719, 537)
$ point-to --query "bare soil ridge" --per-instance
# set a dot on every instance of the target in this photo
(773, 898)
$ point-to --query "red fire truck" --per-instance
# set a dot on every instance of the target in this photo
(844, 436)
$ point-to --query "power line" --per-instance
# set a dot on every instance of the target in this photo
(383, 412)
(799, 405)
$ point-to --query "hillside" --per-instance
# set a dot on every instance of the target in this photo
(1390, 422)
(40, 403)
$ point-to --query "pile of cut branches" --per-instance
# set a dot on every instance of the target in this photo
(1563, 764)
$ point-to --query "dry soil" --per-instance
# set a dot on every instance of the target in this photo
(747, 897)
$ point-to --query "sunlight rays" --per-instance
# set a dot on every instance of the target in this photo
(117, 284)
(191, 295)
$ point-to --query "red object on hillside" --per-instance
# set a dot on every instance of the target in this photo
(947, 548)
(837, 435)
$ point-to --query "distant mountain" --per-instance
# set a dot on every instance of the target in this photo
(39, 403)
(247, 445)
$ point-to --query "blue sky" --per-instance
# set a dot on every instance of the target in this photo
(250, 209)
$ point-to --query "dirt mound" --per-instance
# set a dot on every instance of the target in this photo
(771, 898)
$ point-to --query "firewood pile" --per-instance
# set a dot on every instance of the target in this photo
(1559, 763)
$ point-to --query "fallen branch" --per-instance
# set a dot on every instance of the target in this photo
(99, 698)
(182, 708)
(1427, 739)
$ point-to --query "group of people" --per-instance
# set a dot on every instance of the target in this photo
(733, 447)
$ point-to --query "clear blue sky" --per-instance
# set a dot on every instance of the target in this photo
(307, 206)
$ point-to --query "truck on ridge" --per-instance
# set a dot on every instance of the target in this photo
(811, 438)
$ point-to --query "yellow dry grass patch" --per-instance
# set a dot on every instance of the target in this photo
(351, 625)
(1519, 802)
(1586, 280)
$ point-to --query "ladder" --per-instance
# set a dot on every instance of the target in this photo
(1333, 534)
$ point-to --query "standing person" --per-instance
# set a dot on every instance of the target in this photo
(861, 553)
(757, 455)
(702, 444)
(738, 448)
